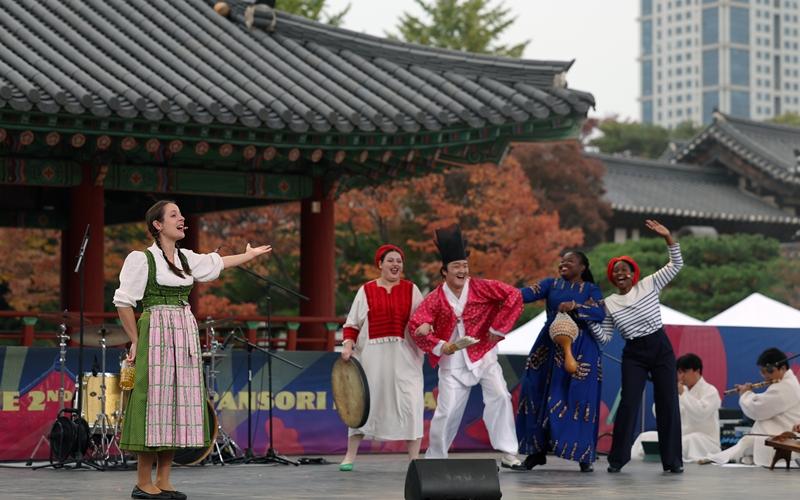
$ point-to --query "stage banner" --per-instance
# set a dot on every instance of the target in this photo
(304, 419)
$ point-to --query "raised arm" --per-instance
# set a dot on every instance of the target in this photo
(536, 291)
(249, 254)
(666, 274)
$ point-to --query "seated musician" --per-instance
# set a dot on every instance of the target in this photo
(699, 405)
(775, 411)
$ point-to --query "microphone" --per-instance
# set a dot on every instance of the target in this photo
(95, 367)
(227, 340)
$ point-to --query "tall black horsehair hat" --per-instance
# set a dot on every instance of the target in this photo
(451, 245)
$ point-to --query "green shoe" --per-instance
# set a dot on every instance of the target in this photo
(345, 467)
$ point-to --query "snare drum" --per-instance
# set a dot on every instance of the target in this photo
(90, 397)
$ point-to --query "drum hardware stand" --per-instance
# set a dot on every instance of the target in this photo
(78, 458)
(270, 455)
(62, 358)
(224, 440)
(102, 422)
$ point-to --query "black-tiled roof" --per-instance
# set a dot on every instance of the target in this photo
(771, 148)
(654, 187)
(179, 61)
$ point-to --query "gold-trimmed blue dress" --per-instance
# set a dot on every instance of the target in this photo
(557, 411)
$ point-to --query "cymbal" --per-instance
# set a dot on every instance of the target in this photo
(71, 319)
(114, 334)
(229, 322)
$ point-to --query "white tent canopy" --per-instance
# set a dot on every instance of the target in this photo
(758, 311)
(521, 340)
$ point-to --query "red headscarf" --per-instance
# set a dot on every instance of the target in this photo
(626, 259)
(383, 250)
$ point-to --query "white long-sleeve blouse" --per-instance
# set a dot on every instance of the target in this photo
(133, 276)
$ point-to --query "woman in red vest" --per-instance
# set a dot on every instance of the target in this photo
(376, 334)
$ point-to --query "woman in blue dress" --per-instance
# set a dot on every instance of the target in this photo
(558, 411)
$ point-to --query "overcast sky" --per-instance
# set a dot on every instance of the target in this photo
(601, 35)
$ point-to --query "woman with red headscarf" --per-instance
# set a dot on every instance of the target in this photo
(636, 312)
(375, 332)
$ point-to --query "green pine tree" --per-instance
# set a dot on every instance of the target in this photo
(468, 25)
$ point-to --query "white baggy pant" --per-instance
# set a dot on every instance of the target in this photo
(498, 415)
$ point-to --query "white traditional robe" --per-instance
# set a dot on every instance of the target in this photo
(699, 423)
(393, 367)
(775, 411)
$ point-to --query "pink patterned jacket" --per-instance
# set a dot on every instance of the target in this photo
(491, 304)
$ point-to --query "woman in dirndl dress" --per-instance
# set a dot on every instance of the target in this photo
(558, 411)
(376, 334)
(167, 406)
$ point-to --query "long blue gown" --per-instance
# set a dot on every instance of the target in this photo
(557, 411)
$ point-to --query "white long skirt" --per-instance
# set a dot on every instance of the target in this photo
(396, 390)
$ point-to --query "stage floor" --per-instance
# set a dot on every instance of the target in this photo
(383, 477)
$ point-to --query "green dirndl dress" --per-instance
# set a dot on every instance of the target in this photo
(167, 405)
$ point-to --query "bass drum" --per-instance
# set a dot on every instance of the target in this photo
(193, 456)
(69, 436)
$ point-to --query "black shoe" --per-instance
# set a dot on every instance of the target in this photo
(586, 467)
(674, 469)
(613, 469)
(139, 493)
(175, 494)
(532, 461)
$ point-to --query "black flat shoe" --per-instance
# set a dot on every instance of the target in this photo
(586, 467)
(532, 461)
(613, 469)
(675, 469)
(175, 494)
(139, 493)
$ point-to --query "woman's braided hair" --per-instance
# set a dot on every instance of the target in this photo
(156, 213)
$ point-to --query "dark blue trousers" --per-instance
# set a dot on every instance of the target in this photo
(651, 355)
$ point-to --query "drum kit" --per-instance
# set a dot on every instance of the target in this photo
(103, 402)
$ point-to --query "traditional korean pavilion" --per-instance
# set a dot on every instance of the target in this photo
(107, 105)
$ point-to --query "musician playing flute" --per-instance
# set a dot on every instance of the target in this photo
(485, 310)
(774, 411)
(635, 311)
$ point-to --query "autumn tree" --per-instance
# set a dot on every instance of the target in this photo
(565, 181)
(29, 270)
(510, 237)
(468, 25)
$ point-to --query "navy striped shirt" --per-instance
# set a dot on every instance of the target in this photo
(638, 312)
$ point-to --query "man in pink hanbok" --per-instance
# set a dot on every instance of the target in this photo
(458, 311)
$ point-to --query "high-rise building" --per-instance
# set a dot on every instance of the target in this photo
(739, 56)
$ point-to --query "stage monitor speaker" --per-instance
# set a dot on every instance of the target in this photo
(452, 479)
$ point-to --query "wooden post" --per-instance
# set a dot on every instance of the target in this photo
(28, 323)
(291, 335)
(317, 260)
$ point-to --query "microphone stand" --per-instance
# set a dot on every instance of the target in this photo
(76, 413)
(271, 455)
